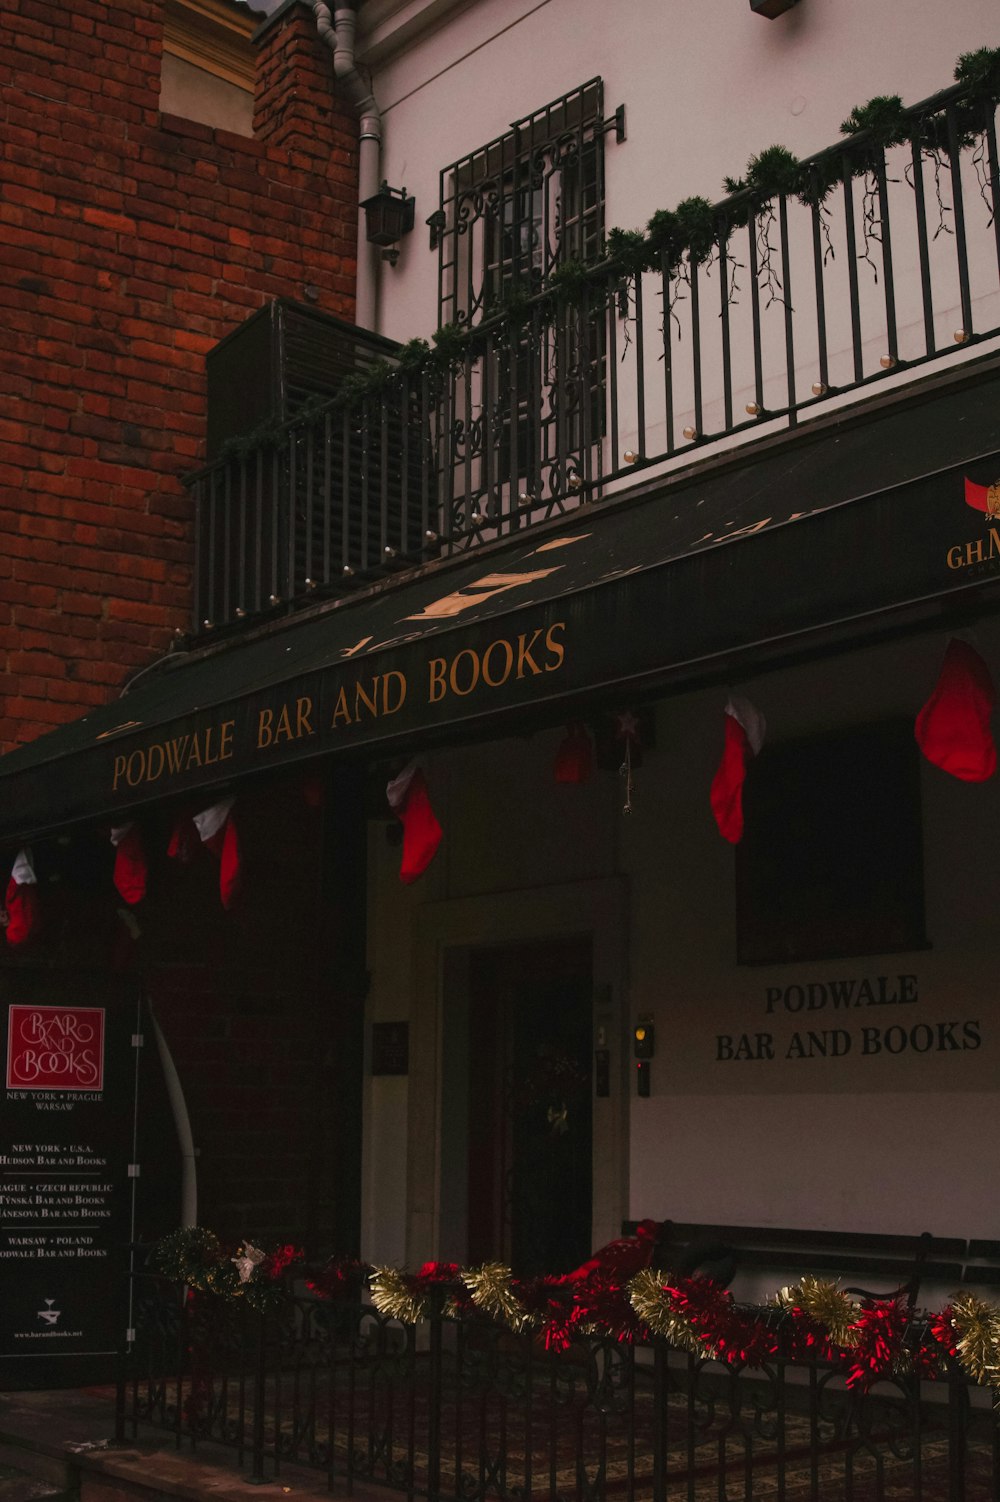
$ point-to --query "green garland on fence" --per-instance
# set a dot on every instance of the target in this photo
(692, 230)
(196, 1257)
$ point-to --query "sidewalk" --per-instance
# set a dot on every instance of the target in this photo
(59, 1445)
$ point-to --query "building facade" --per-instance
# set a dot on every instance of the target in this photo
(818, 1074)
(147, 211)
(671, 441)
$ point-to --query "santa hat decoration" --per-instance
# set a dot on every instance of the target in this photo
(575, 757)
(131, 867)
(23, 911)
(410, 802)
(744, 734)
(953, 728)
(217, 832)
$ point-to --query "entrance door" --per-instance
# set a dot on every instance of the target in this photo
(529, 1105)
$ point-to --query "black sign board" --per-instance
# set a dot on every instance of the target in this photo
(70, 1060)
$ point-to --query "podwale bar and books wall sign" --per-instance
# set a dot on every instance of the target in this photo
(70, 1055)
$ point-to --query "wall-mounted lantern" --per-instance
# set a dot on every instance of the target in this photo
(437, 224)
(771, 8)
(389, 215)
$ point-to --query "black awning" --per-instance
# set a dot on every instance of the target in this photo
(841, 523)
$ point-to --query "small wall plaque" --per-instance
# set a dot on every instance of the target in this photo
(390, 1047)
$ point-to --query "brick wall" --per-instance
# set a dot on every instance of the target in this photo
(259, 1006)
(131, 242)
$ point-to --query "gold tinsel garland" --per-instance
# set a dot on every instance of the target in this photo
(825, 1303)
(196, 1257)
(977, 1325)
(646, 1295)
(491, 1289)
(393, 1296)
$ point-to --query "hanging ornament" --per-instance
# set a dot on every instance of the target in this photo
(24, 915)
(410, 802)
(744, 736)
(629, 734)
(183, 840)
(131, 867)
(625, 771)
(575, 757)
(217, 832)
(314, 790)
(953, 727)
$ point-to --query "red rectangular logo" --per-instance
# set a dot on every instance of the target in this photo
(55, 1048)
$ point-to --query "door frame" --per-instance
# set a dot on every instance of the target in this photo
(598, 909)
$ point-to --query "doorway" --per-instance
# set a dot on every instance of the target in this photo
(529, 1161)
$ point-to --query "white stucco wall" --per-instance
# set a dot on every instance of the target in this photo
(890, 1143)
(704, 87)
(883, 1143)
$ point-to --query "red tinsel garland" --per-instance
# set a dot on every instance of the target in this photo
(615, 1295)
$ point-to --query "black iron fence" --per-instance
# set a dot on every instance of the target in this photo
(460, 1408)
(878, 255)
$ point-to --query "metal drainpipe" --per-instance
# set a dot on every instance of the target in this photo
(182, 1124)
(338, 34)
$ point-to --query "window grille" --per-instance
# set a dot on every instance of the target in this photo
(515, 208)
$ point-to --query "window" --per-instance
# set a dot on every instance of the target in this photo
(518, 206)
(209, 64)
(531, 411)
(831, 863)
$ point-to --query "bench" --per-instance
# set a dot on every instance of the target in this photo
(864, 1264)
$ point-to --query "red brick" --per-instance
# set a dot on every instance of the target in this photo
(132, 244)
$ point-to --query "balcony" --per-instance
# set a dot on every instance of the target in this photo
(811, 287)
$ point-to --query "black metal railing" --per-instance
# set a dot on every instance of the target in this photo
(460, 1408)
(880, 259)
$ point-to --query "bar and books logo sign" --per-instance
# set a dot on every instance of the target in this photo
(55, 1048)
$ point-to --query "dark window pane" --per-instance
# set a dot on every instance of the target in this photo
(831, 862)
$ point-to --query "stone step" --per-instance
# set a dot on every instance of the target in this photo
(27, 1483)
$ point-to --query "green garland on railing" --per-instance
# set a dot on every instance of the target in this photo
(691, 231)
(196, 1257)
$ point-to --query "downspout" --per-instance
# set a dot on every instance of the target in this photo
(182, 1125)
(338, 34)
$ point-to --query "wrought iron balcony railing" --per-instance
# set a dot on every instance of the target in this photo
(878, 257)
